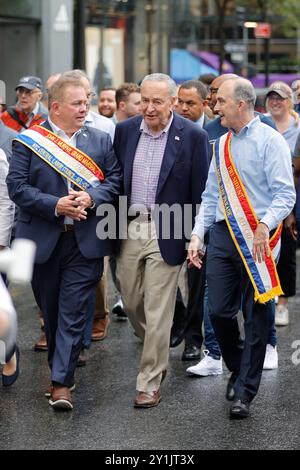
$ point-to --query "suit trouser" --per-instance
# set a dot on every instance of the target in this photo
(62, 287)
(286, 267)
(190, 318)
(228, 282)
(148, 288)
(194, 311)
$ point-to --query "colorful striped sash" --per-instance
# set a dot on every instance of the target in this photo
(242, 223)
(67, 160)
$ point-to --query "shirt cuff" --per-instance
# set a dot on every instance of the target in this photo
(202, 246)
(270, 221)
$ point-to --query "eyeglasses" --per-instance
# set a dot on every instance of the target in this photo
(91, 95)
(213, 90)
(276, 98)
(21, 91)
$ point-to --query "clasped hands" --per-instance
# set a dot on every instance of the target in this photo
(74, 205)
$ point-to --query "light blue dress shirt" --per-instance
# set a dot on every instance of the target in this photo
(263, 161)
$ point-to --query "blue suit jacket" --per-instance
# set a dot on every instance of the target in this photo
(216, 130)
(182, 176)
(36, 187)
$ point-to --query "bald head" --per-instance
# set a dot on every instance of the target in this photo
(235, 103)
(215, 85)
(242, 90)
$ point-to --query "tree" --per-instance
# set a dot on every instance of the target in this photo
(288, 10)
(221, 7)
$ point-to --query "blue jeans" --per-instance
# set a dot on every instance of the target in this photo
(210, 340)
(272, 338)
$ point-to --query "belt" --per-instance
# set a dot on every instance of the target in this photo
(146, 217)
(67, 228)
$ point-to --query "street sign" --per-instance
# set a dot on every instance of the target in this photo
(232, 47)
(262, 30)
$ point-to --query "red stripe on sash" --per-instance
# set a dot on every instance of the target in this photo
(237, 186)
(73, 152)
(251, 218)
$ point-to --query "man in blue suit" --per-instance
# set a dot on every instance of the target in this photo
(165, 161)
(62, 222)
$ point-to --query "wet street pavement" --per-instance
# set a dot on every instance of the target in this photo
(193, 413)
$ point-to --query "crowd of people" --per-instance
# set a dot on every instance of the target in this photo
(209, 186)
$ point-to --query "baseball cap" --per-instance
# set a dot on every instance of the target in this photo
(30, 83)
(281, 88)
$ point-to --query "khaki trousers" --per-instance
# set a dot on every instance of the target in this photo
(148, 288)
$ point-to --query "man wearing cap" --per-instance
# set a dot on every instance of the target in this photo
(28, 111)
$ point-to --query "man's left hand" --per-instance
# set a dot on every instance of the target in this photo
(82, 197)
(261, 243)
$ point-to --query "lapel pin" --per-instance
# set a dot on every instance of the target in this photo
(176, 137)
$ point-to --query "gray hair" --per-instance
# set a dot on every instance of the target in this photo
(244, 91)
(161, 77)
(77, 74)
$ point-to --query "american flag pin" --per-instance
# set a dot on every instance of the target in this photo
(176, 137)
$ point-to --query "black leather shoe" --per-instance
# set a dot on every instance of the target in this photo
(239, 409)
(230, 387)
(176, 338)
(191, 353)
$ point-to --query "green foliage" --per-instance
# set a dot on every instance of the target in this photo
(286, 11)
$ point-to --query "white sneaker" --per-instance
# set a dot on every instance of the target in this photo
(271, 358)
(207, 366)
(281, 316)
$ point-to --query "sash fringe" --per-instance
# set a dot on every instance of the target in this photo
(240, 215)
(271, 294)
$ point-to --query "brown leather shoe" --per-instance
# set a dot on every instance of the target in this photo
(147, 399)
(41, 345)
(50, 388)
(61, 398)
(100, 328)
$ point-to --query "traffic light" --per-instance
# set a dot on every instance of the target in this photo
(240, 15)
